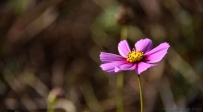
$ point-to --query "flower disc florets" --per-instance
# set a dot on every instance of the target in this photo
(135, 56)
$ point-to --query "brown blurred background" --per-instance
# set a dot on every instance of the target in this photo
(51, 48)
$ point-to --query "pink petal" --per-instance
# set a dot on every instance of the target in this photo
(156, 54)
(143, 66)
(144, 45)
(109, 57)
(126, 66)
(110, 67)
(123, 48)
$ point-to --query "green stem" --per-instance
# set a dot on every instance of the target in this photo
(50, 107)
(120, 92)
(141, 94)
(51, 100)
(124, 34)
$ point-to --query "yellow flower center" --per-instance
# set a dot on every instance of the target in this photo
(135, 56)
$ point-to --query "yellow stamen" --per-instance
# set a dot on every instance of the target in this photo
(135, 56)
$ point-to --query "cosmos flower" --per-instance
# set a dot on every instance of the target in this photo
(139, 59)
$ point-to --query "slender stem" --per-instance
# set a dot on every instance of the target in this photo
(124, 34)
(141, 94)
(51, 101)
(120, 92)
(50, 107)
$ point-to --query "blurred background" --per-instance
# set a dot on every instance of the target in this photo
(49, 51)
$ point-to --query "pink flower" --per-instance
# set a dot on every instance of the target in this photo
(139, 59)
